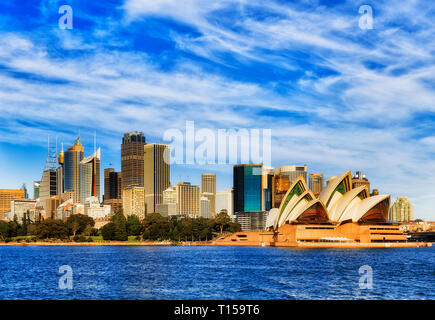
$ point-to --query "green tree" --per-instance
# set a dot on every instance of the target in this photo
(77, 223)
(4, 230)
(13, 227)
(156, 227)
(116, 229)
(134, 227)
(50, 228)
(108, 231)
(222, 220)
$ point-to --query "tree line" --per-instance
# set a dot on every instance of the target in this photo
(154, 227)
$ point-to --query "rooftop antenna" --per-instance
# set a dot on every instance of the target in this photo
(95, 141)
(51, 161)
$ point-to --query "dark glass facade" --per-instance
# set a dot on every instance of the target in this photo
(132, 159)
(247, 182)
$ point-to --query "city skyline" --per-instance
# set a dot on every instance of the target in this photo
(337, 97)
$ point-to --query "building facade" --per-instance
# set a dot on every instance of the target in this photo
(188, 199)
(247, 188)
(205, 207)
(36, 188)
(71, 172)
(401, 210)
(316, 183)
(224, 201)
(133, 201)
(132, 159)
(359, 179)
(156, 174)
(208, 183)
(268, 182)
(48, 186)
(282, 184)
(112, 189)
(90, 176)
(21, 206)
(293, 172)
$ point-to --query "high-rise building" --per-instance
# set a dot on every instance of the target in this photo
(208, 183)
(224, 201)
(112, 184)
(282, 184)
(156, 174)
(112, 189)
(359, 179)
(316, 183)
(132, 159)
(293, 172)
(48, 187)
(188, 199)
(401, 210)
(205, 207)
(212, 199)
(71, 172)
(248, 190)
(268, 181)
(51, 205)
(24, 188)
(36, 187)
(89, 172)
(6, 196)
(133, 201)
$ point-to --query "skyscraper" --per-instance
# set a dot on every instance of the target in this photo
(112, 189)
(48, 187)
(205, 207)
(248, 191)
(268, 177)
(90, 176)
(401, 210)
(316, 183)
(72, 158)
(133, 201)
(188, 199)
(293, 172)
(156, 174)
(208, 183)
(36, 186)
(132, 159)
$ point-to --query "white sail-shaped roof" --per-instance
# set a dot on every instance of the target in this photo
(290, 199)
(336, 189)
(360, 210)
(349, 199)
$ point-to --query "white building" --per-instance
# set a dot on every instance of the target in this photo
(224, 200)
(205, 207)
(21, 206)
(170, 196)
(94, 209)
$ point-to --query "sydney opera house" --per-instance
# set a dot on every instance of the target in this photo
(341, 216)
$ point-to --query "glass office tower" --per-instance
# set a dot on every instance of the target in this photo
(247, 179)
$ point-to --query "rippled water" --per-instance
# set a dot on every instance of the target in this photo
(134, 272)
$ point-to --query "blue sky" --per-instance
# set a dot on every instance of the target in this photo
(336, 97)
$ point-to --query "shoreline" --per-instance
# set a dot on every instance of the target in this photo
(213, 243)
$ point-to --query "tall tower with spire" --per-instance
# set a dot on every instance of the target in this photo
(71, 165)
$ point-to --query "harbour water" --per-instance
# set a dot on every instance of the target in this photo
(207, 272)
